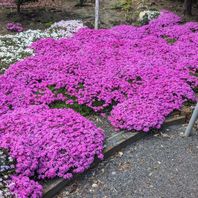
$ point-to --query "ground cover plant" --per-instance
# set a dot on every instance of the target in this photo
(48, 143)
(14, 27)
(134, 75)
(14, 47)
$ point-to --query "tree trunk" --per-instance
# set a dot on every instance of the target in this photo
(188, 7)
(18, 2)
(81, 2)
(18, 8)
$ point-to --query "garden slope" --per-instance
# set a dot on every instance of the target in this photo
(135, 68)
(137, 74)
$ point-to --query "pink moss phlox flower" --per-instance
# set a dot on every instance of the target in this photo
(144, 73)
(24, 187)
(113, 66)
(14, 27)
(48, 143)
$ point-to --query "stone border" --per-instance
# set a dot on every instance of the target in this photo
(112, 145)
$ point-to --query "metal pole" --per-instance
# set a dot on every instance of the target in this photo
(97, 13)
(192, 121)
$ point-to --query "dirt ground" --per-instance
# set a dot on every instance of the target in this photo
(112, 12)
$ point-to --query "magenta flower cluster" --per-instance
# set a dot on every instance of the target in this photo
(14, 27)
(144, 73)
(23, 187)
(134, 67)
(48, 143)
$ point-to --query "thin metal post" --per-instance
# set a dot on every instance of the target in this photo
(192, 121)
(97, 5)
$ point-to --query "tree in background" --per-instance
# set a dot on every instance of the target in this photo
(188, 7)
(20, 2)
(81, 2)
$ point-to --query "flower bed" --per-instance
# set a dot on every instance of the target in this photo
(137, 75)
(14, 47)
(135, 68)
(48, 143)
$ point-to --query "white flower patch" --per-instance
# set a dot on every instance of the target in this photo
(15, 47)
(65, 28)
(147, 15)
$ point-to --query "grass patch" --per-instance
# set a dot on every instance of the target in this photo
(170, 41)
(82, 109)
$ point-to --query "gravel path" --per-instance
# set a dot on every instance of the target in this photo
(161, 166)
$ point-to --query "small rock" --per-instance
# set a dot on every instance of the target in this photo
(94, 185)
(165, 135)
(113, 173)
(182, 134)
(150, 174)
(66, 193)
